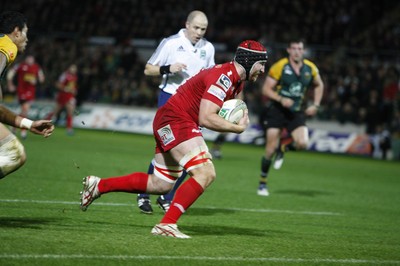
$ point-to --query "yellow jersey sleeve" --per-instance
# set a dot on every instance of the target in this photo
(8, 48)
(314, 68)
(275, 71)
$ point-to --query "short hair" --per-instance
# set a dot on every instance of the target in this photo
(296, 40)
(9, 20)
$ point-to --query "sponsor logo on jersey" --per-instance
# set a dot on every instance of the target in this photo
(296, 89)
(181, 49)
(225, 82)
(166, 135)
(288, 71)
(217, 92)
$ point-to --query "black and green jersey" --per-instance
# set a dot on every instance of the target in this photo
(290, 84)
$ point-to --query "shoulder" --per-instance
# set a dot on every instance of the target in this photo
(168, 42)
(276, 69)
(8, 48)
(36, 67)
(203, 43)
(311, 65)
(225, 74)
(280, 63)
(223, 68)
(173, 39)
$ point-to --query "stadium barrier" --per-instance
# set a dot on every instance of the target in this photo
(324, 137)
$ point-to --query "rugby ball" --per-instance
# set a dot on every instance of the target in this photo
(233, 110)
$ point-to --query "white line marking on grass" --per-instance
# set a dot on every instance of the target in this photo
(191, 258)
(279, 211)
(207, 207)
(60, 202)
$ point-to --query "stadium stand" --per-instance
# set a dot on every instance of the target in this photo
(355, 44)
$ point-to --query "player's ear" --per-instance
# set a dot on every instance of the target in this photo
(16, 32)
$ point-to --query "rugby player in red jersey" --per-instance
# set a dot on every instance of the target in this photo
(29, 74)
(67, 86)
(179, 141)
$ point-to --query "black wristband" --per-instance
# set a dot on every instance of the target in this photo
(165, 69)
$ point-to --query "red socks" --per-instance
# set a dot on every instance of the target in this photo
(186, 194)
(69, 121)
(133, 183)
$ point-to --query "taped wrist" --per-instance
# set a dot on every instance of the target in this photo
(165, 69)
(26, 123)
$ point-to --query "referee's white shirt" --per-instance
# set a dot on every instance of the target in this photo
(178, 49)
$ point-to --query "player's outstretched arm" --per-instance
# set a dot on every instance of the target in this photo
(40, 127)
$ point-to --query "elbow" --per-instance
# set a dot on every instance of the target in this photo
(203, 122)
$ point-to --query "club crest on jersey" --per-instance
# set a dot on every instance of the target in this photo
(203, 54)
(166, 134)
(225, 82)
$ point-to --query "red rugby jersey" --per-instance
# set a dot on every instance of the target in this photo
(217, 84)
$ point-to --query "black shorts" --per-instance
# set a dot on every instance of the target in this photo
(277, 116)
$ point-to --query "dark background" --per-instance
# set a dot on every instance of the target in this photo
(355, 45)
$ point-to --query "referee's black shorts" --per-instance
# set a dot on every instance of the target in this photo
(277, 116)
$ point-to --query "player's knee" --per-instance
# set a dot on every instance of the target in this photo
(210, 175)
(12, 155)
(301, 145)
(159, 185)
(204, 175)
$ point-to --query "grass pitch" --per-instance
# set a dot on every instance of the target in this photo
(323, 209)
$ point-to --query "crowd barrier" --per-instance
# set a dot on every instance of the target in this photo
(324, 137)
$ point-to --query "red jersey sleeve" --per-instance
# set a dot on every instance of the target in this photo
(222, 83)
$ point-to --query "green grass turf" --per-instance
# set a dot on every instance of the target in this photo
(323, 209)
